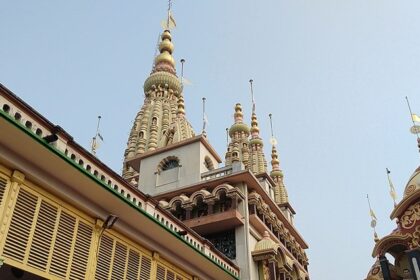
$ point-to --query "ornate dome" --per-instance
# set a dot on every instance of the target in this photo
(413, 184)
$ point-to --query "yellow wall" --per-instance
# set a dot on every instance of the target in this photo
(41, 234)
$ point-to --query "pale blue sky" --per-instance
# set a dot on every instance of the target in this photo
(333, 73)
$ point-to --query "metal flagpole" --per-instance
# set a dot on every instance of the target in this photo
(414, 128)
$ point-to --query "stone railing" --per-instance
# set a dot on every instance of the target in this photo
(217, 173)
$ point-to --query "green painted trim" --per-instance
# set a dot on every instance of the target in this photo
(102, 184)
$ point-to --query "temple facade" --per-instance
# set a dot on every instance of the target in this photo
(239, 204)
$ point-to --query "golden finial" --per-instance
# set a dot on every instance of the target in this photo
(275, 162)
(373, 221)
(165, 61)
(415, 129)
(238, 113)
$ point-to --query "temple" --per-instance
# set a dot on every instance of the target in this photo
(178, 210)
(240, 206)
(403, 243)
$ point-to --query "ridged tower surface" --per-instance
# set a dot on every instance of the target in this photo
(161, 120)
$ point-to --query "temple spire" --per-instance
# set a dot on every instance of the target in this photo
(161, 120)
(258, 164)
(280, 192)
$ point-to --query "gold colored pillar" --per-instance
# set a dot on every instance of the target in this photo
(94, 250)
(9, 203)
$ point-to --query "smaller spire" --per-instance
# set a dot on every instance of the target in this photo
(258, 163)
(255, 130)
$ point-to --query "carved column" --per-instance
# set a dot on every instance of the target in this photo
(234, 198)
(252, 209)
(210, 206)
(272, 269)
(10, 197)
(94, 248)
(188, 209)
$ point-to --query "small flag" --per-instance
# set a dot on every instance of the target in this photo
(206, 120)
(100, 136)
(184, 81)
(168, 23)
(171, 20)
(415, 118)
(372, 215)
(392, 191)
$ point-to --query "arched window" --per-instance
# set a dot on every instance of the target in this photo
(154, 121)
(178, 211)
(141, 135)
(223, 204)
(208, 163)
(168, 163)
(200, 209)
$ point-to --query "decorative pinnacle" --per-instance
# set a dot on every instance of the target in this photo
(238, 113)
(255, 130)
(165, 61)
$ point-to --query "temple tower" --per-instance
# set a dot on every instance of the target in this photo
(161, 120)
(257, 162)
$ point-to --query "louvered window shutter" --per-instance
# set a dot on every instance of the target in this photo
(120, 258)
(3, 183)
(20, 226)
(81, 252)
(44, 232)
(146, 267)
(170, 275)
(44, 236)
(160, 273)
(62, 246)
(104, 258)
(133, 267)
